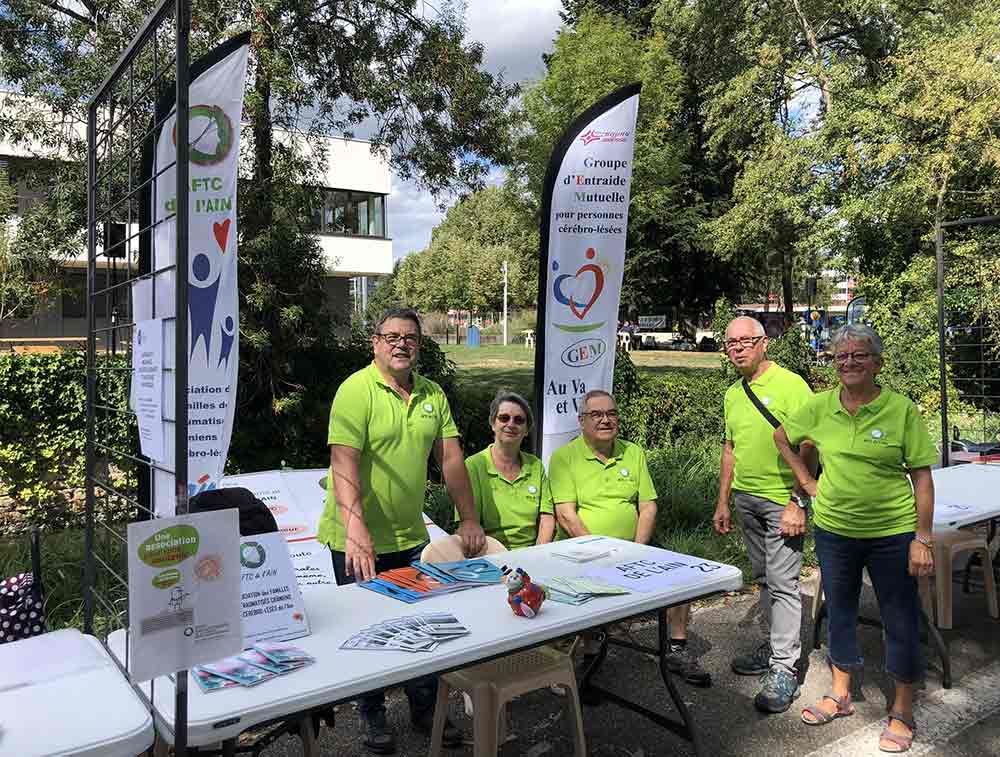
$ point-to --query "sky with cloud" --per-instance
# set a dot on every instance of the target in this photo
(515, 34)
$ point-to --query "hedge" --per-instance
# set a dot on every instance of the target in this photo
(43, 430)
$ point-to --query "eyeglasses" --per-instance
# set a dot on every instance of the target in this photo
(518, 420)
(410, 340)
(746, 342)
(600, 415)
(858, 357)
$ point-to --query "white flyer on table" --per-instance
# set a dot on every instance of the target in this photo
(656, 574)
(183, 592)
(147, 385)
(272, 604)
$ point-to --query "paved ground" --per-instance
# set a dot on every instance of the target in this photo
(962, 721)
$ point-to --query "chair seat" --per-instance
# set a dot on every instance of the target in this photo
(520, 669)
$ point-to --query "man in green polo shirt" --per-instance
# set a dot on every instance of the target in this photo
(384, 423)
(772, 515)
(601, 485)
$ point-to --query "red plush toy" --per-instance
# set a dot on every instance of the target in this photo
(524, 597)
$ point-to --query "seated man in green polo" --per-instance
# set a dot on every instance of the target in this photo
(601, 485)
(385, 421)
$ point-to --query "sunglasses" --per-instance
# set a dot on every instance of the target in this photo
(519, 420)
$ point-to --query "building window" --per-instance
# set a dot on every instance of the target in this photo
(350, 213)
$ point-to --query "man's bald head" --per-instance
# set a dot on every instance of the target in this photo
(744, 325)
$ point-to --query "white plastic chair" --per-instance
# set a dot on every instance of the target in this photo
(491, 685)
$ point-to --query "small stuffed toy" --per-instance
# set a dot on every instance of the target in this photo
(524, 597)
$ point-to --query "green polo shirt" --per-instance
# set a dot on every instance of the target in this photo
(509, 510)
(864, 491)
(395, 439)
(760, 469)
(607, 495)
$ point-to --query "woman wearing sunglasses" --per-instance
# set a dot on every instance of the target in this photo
(509, 485)
(874, 509)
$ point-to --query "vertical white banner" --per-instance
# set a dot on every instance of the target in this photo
(216, 97)
(586, 199)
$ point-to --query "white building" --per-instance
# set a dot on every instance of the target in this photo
(352, 227)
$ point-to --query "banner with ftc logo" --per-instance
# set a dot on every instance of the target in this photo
(215, 113)
(584, 223)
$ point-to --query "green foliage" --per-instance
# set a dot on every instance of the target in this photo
(903, 311)
(43, 417)
(669, 267)
(675, 408)
(62, 573)
(461, 268)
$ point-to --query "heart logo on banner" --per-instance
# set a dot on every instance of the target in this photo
(598, 288)
(221, 231)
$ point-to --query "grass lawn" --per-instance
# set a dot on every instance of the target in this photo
(513, 366)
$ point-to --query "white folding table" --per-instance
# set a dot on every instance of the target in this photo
(965, 495)
(336, 613)
(62, 694)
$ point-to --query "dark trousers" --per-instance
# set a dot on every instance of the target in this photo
(841, 560)
(422, 693)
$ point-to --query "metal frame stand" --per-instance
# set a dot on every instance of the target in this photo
(147, 85)
(591, 693)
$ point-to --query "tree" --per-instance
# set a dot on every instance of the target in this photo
(669, 268)
(316, 68)
(30, 251)
(461, 268)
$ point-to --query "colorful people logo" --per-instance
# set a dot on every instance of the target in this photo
(587, 274)
(210, 134)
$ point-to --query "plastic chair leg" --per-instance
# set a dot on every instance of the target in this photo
(484, 722)
(989, 583)
(575, 716)
(942, 582)
(440, 715)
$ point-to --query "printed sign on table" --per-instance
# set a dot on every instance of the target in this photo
(183, 592)
(272, 604)
(656, 574)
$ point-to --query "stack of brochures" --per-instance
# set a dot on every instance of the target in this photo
(260, 663)
(415, 633)
(578, 590)
(423, 580)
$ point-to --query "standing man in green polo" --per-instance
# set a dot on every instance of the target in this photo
(601, 485)
(385, 421)
(773, 515)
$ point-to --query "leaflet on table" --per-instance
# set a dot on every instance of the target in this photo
(423, 580)
(578, 590)
(183, 591)
(665, 570)
(271, 603)
(271, 657)
(585, 550)
(415, 633)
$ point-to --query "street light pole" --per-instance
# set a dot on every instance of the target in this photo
(504, 303)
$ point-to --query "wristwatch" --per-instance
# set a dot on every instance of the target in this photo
(926, 542)
(802, 501)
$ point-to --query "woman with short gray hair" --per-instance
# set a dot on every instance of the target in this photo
(874, 510)
(509, 485)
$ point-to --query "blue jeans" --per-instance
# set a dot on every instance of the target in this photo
(887, 559)
(422, 693)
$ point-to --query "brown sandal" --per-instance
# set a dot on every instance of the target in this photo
(822, 717)
(903, 742)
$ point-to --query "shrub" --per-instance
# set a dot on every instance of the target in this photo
(43, 417)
